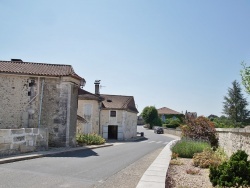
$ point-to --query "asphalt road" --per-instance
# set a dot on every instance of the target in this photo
(85, 168)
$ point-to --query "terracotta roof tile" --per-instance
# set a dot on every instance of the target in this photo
(166, 110)
(41, 69)
(119, 102)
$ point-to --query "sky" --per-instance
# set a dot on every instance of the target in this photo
(179, 54)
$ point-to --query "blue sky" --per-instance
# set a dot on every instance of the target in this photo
(179, 54)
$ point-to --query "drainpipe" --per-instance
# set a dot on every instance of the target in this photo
(100, 108)
(41, 102)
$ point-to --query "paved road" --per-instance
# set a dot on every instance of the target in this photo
(86, 168)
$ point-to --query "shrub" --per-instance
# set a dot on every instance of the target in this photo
(187, 148)
(175, 121)
(193, 171)
(90, 139)
(209, 157)
(233, 173)
(200, 129)
(172, 126)
(176, 162)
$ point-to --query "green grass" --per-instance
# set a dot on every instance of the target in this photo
(187, 148)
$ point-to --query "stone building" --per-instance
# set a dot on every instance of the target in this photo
(112, 116)
(39, 95)
(167, 113)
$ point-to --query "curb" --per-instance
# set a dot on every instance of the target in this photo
(40, 154)
(155, 175)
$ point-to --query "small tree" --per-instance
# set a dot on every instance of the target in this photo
(200, 129)
(235, 104)
(233, 173)
(245, 76)
(150, 116)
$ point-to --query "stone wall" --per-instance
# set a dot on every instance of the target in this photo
(15, 141)
(40, 102)
(176, 132)
(235, 139)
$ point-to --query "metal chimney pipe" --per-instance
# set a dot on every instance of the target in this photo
(97, 87)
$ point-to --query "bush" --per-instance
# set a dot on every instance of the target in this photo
(175, 121)
(200, 129)
(90, 139)
(233, 173)
(187, 148)
(172, 126)
(209, 157)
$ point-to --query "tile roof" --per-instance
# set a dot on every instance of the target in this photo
(119, 102)
(81, 119)
(40, 69)
(165, 110)
(83, 94)
(110, 101)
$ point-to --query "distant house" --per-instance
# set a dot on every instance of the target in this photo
(167, 113)
(112, 116)
(190, 115)
(35, 95)
(140, 120)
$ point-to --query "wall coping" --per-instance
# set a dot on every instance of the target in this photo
(233, 130)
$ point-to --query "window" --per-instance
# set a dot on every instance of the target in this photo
(112, 113)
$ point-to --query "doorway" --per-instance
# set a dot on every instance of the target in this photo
(112, 131)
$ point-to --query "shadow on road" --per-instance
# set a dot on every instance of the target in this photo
(78, 154)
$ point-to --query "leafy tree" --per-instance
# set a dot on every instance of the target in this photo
(245, 76)
(224, 122)
(150, 115)
(235, 104)
(200, 129)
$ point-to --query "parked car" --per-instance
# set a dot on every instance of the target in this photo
(158, 130)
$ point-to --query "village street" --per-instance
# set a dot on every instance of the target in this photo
(86, 168)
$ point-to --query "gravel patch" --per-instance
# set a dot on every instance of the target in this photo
(177, 177)
(131, 175)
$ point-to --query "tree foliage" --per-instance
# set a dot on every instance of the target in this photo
(232, 173)
(225, 122)
(235, 104)
(245, 77)
(200, 129)
(150, 116)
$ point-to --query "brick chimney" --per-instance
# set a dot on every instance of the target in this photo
(97, 88)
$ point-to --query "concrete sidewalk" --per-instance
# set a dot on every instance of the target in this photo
(155, 175)
(50, 152)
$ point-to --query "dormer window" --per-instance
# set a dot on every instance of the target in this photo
(109, 100)
(112, 113)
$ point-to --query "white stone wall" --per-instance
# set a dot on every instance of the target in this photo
(126, 122)
(89, 110)
(15, 141)
(235, 139)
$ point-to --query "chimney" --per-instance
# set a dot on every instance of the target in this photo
(97, 89)
(19, 60)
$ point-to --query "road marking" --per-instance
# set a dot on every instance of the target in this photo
(117, 144)
(166, 143)
(144, 141)
(151, 142)
(159, 142)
